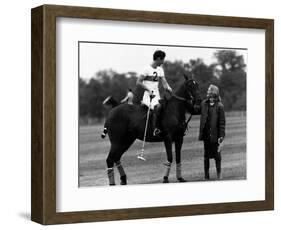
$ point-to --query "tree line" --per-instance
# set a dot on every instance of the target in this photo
(227, 72)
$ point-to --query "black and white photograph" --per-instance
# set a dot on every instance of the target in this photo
(152, 114)
(147, 114)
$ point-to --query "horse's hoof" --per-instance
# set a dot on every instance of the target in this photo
(123, 180)
(181, 180)
(165, 180)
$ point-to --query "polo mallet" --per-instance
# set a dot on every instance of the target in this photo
(141, 155)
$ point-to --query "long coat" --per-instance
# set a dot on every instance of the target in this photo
(217, 121)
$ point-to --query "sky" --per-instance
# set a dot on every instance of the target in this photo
(123, 58)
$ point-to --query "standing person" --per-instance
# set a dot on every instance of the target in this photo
(212, 129)
(129, 97)
(149, 81)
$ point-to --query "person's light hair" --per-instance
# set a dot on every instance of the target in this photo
(215, 91)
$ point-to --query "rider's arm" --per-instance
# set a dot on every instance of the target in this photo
(165, 84)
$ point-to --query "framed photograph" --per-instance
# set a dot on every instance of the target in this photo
(140, 114)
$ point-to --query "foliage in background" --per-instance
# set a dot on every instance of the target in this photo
(228, 73)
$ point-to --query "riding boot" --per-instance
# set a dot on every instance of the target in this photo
(167, 171)
(110, 174)
(178, 173)
(155, 120)
(123, 177)
(206, 168)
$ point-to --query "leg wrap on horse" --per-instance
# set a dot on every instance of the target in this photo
(178, 170)
(178, 173)
(167, 168)
(120, 168)
(122, 173)
(110, 174)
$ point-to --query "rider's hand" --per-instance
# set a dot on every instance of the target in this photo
(221, 144)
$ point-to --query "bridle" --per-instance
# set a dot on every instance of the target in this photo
(191, 101)
(184, 99)
(187, 120)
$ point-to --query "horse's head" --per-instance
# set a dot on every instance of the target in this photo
(191, 91)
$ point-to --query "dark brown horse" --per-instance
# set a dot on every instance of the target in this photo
(126, 123)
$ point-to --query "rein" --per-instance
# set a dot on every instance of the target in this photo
(181, 98)
(178, 97)
(185, 123)
(187, 120)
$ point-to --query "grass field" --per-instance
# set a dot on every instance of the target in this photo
(93, 152)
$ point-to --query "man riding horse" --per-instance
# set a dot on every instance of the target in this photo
(149, 81)
(126, 123)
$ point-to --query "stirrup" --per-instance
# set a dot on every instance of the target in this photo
(156, 132)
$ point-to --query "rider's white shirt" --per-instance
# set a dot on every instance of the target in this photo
(151, 81)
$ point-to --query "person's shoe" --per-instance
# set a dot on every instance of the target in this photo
(165, 180)
(156, 132)
(219, 176)
(207, 177)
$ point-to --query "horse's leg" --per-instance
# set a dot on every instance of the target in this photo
(110, 163)
(123, 177)
(128, 142)
(178, 145)
(168, 146)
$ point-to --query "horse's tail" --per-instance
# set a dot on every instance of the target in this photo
(103, 135)
(110, 101)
